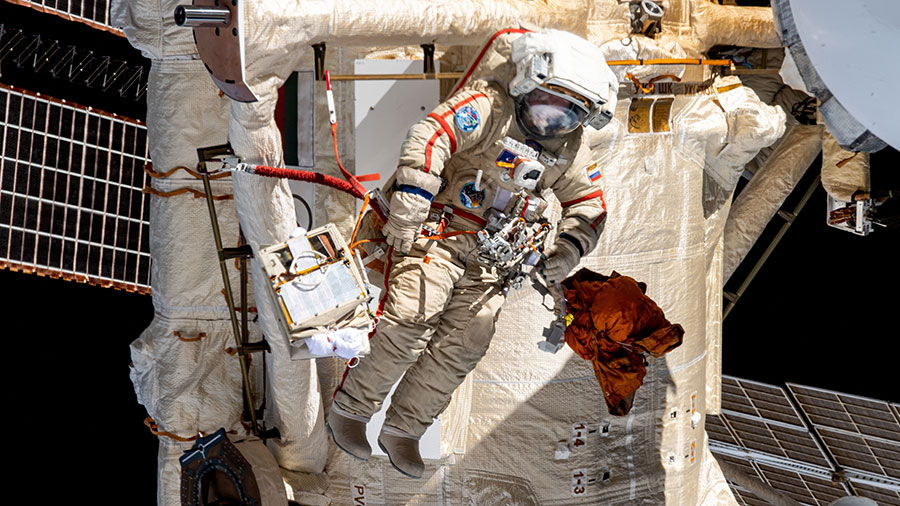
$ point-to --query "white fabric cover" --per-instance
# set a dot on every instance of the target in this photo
(843, 172)
(185, 273)
(265, 470)
(186, 386)
(266, 211)
(696, 25)
(714, 489)
(185, 111)
(773, 181)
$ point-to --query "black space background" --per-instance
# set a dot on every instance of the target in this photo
(821, 312)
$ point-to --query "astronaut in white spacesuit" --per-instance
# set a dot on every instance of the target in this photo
(513, 128)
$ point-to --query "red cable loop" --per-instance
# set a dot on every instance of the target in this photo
(311, 177)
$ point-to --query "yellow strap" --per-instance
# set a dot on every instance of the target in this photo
(730, 87)
(669, 61)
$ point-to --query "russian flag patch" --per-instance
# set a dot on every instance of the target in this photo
(593, 173)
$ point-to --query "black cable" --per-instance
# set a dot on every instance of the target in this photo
(309, 213)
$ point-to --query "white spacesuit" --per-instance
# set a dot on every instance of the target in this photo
(513, 128)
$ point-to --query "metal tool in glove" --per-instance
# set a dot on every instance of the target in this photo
(512, 239)
(555, 333)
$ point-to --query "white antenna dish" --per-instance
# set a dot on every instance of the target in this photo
(850, 46)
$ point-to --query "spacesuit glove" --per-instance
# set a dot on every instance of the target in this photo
(408, 212)
(562, 257)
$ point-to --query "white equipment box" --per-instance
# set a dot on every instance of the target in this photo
(317, 284)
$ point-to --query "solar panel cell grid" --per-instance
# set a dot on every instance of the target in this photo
(790, 484)
(69, 203)
(799, 445)
(717, 431)
(761, 427)
(848, 412)
(850, 451)
(755, 435)
(881, 496)
(92, 12)
(888, 454)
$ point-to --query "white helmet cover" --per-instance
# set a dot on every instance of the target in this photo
(563, 59)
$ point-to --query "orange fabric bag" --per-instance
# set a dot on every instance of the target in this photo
(614, 324)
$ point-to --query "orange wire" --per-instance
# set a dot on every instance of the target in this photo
(448, 235)
(200, 336)
(359, 220)
(347, 175)
(651, 84)
(181, 191)
(151, 424)
(364, 241)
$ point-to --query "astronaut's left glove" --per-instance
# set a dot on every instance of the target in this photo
(562, 257)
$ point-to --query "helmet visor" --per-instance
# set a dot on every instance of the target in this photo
(545, 115)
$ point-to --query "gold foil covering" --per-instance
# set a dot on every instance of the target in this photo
(639, 115)
(662, 111)
(649, 115)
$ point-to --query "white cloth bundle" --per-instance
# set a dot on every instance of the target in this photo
(345, 343)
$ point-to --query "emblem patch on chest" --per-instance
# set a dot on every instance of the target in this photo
(470, 197)
(467, 119)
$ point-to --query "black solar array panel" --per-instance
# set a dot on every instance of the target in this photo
(746, 498)
(71, 201)
(763, 419)
(773, 436)
(803, 488)
(92, 12)
(861, 434)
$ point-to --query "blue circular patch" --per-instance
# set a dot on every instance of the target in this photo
(470, 197)
(467, 119)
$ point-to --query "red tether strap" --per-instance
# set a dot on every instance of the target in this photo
(589, 196)
(459, 212)
(387, 275)
(445, 128)
(481, 55)
(310, 177)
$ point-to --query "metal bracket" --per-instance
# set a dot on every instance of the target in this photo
(210, 153)
(244, 251)
(319, 55)
(646, 17)
(428, 58)
(257, 347)
(272, 433)
(555, 337)
(218, 29)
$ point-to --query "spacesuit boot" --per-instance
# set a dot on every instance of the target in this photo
(403, 451)
(349, 433)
